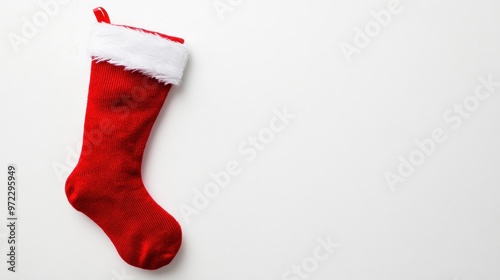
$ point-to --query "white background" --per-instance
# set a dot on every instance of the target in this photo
(322, 176)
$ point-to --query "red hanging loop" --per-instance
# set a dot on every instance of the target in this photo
(101, 15)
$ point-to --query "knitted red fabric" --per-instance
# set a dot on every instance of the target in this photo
(106, 184)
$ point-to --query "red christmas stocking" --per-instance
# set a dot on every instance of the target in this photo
(132, 72)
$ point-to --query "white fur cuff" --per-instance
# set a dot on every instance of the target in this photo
(137, 50)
